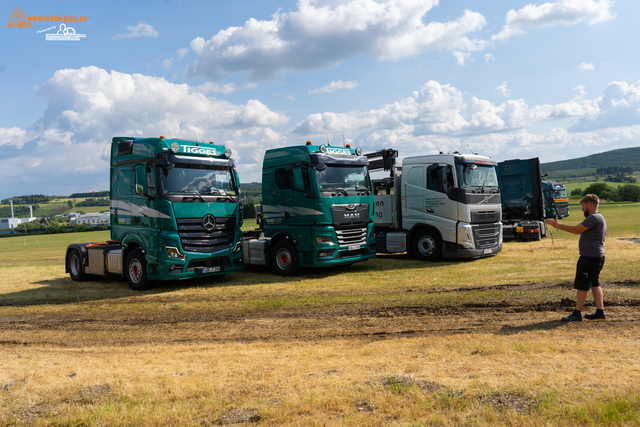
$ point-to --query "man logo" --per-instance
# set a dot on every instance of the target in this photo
(208, 222)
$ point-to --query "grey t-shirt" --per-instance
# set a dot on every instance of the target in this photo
(592, 240)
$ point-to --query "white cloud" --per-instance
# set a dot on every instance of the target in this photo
(333, 86)
(618, 106)
(68, 148)
(166, 64)
(182, 52)
(139, 30)
(561, 12)
(502, 90)
(586, 66)
(489, 57)
(441, 109)
(317, 36)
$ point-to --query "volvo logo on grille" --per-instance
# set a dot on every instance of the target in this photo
(350, 215)
(208, 222)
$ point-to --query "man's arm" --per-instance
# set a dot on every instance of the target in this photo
(575, 229)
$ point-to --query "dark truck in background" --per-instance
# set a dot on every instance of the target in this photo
(523, 210)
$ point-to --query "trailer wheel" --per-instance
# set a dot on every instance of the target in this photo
(135, 270)
(427, 246)
(74, 264)
(284, 258)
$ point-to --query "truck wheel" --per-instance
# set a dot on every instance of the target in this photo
(284, 258)
(427, 246)
(74, 264)
(135, 270)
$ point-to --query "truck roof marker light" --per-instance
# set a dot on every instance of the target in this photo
(358, 151)
(175, 147)
(308, 143)
(322, 148)
(211, 142)
(347, 145)
(161, 137)
(227, 153)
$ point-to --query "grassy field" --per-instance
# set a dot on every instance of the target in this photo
(392, 341)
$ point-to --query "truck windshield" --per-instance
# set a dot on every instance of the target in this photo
(200, 180)
(476, 175)
(560, 194)
(344, 180)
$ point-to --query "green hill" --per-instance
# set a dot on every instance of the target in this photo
(586, 166)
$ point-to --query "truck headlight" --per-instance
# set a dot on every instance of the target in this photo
(227, 153)
(238, 247)
(324, 239)
(173, 252)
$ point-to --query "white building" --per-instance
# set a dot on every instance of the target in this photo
(13, 223)
(91, 219)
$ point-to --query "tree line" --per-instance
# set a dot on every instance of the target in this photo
(624, 193)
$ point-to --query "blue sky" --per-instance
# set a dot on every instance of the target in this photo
(510, 79)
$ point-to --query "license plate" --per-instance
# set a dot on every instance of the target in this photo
(487, 251)
(210, 269)
(353, 247)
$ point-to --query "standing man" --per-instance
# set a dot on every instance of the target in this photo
(592, 232)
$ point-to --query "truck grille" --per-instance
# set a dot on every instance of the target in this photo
(486, 236)
(354, 236)
(562, 210)
(195, 238)
(485, 216)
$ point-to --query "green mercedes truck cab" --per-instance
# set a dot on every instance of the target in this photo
(174, 214)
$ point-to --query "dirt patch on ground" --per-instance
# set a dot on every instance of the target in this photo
(340, 321)
(514, 402)
(239, 416)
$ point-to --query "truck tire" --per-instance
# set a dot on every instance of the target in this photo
(284, 258)
(75, 267)
(426, 245)
(135, 270)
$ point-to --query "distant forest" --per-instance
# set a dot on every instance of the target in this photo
(624, 160)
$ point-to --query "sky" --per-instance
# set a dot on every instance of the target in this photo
(507, 79)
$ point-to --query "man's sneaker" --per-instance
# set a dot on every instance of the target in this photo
(595, 315)
(572, 318)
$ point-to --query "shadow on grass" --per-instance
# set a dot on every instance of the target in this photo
(540, 326)
(63, 290)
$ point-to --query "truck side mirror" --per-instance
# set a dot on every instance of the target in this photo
(235, 174)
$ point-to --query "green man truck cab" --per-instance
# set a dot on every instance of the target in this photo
(317, 209)
(174, 214)
(556, 199)
(435, 206)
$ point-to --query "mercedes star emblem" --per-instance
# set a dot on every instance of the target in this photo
(208, 222)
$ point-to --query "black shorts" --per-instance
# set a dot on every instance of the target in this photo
(588, 272)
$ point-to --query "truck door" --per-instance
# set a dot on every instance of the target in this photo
(440, 209)
(299, 208)
(413, 188)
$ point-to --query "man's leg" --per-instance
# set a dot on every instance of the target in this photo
(598, 297)
(581, 298)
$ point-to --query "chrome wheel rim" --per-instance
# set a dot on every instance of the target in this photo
(426, 245)
(283, 259)
(135, 270)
